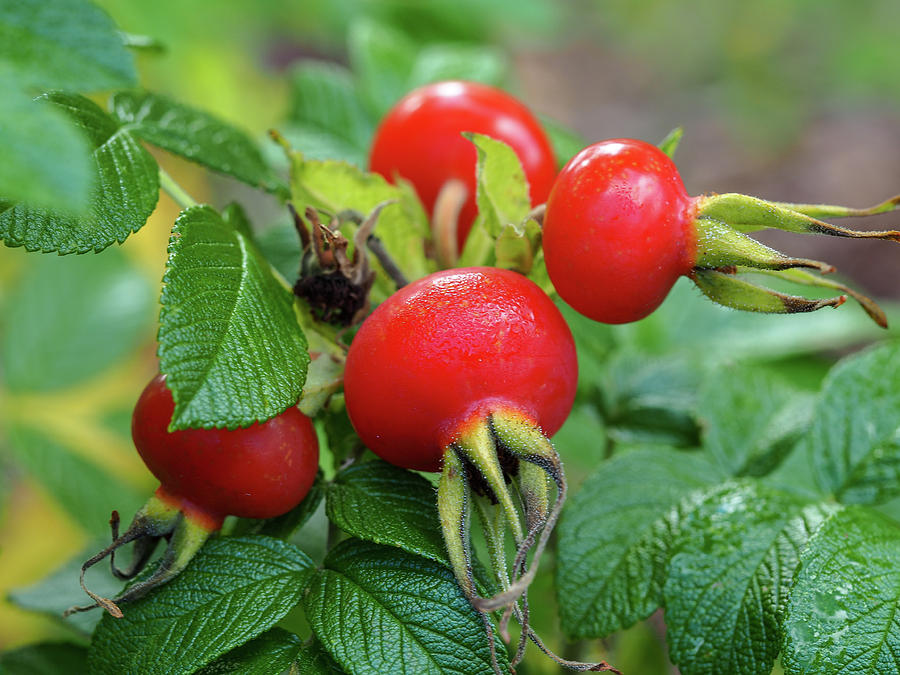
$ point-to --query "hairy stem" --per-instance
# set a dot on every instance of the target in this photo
(178, 194)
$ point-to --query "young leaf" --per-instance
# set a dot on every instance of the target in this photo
(615, 537)
(854, 440)
(842, 615)
(338, 186)
(272, 652)
(85, 490)
(326, 117)
(68, 319)
(399, 613)
(751, 419)
(379, 502)
(228, 339)
(65, 44)
(232, 591)
(501, 184)
(47, 658)
(382, 59)
(193, 134)
(735, 557)
(125, 190)
(440, 62)
(46, 161)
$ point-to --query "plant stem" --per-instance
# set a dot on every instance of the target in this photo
(175, 191)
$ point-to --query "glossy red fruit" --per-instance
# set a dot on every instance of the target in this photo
(258, 472)
(445, 351)
(420, 139)
(618, 230)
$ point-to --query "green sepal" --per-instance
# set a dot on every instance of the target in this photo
(729, 291)
(670, 143)
(831, 211)
(478, 446)
(721, 245)
(749, 214)
(454, 513)
(186, 529)
(806, 279)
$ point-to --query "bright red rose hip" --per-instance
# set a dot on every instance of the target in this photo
(420, 139)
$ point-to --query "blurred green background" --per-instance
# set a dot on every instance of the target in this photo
(796, 100)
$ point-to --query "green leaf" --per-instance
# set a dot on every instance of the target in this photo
(854, 440)
(327, 119)
(501, 184)
(382, 59)
(338, 186)
(46, 162)
(68, 319)
(228, 339)
(379, 502)
(54, 594)
(46, 658)
(399, 613)
(314, 660)
(751, 419)
(193, 134)
(124, 194)
(647, 399)
(441, 62)
(280, 245)
(845, 602)
(85, 490)
(615, 537)
(231, 592)
(64, 44)
(729, 579)
(272, 652)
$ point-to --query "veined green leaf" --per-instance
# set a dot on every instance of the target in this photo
(615, 537)
(751, 419)
(854, 439)
(400, 613)
(272, 652)
(233, 590)
(228, 339)
(327, 119)
(193, 134)
(64, 44)
(734, 560)
(125, 190)
(501, 184)
(379, 502)
(845, 602)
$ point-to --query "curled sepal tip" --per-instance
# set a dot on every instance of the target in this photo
(504, 467)
(749, 214)
(806, 279)
(161, 517)
(724, 288)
